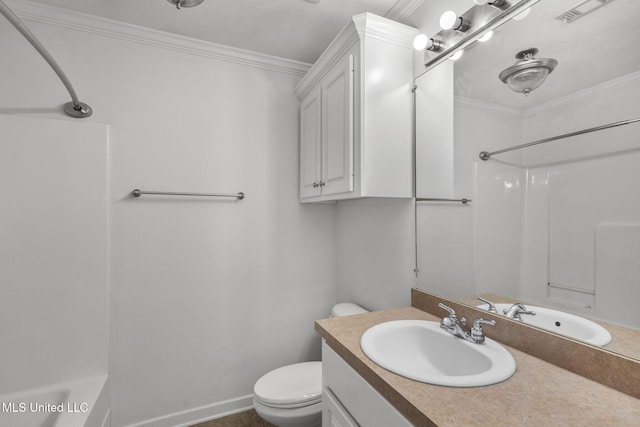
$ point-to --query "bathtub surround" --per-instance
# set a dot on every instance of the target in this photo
(53, 251)
(79, 403)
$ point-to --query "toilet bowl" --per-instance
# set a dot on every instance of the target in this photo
(291, 396)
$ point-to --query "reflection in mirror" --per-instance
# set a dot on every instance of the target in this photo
(556, 224)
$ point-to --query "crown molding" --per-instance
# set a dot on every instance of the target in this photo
(76, 21)
(487, 106)
(626, 80)
(359, 27)
(403, 9)
(373, 26)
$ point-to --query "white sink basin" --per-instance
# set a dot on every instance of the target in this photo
(562, 323)
(422, 351)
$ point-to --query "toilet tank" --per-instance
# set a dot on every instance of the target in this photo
(346, 309)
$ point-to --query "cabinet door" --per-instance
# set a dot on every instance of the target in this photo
(337, 128)
(310, 145)
(333, 413)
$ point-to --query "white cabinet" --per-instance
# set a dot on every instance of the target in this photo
(326, 137)
(333, 413)
(349, 400)
(356, 114)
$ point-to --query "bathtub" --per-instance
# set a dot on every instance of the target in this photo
(81, 403)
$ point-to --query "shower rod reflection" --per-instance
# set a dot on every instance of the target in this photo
(75, 108)
(485, 155)
(436, 199)
(138, 193)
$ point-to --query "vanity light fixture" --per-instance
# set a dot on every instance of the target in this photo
(528, 73)
(451, 21)
(422, 42)
(486, 37)
(500, 4)
(475, 24)
(185, 3)
(457, 55)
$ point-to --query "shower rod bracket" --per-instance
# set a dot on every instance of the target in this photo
(78, 110)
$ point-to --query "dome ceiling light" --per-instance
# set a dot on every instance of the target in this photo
(185, 3)
(528, 73)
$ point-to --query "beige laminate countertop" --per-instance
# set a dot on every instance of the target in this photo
(538, 394)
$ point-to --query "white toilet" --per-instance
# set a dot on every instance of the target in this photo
(291, 396)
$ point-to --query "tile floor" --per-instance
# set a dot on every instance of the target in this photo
(243, 419)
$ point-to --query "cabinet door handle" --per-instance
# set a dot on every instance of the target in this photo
(321, 184)
(315, 185)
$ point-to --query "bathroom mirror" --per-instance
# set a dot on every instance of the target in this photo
(556, 224)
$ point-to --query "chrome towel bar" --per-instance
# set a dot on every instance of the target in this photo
(485, 155)
(138, 193)
(436, 199)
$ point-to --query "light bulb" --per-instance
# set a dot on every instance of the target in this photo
(448, 20)
(480, 2)
(420, 42)
(522, 15)
(456, 55)
(486, 37)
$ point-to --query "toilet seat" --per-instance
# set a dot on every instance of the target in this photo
(292, 386)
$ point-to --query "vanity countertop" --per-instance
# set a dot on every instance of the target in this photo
(538, 393)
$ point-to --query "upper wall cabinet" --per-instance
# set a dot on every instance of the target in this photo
(356, 114)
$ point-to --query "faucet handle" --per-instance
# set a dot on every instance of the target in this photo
(452, 312)
(479, 322)
(477, 335)
(492, 306)
(517, 315)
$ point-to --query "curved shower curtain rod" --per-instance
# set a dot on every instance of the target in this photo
(75, 108)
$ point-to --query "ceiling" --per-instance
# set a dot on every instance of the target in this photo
(292, 29)
(599, 47)
(596, 48)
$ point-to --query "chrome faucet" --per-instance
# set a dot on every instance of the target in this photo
(454, 326)
(492, 307)
(516, 310)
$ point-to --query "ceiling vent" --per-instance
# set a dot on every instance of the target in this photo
(582, 9)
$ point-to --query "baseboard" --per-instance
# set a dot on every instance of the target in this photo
(200, 414)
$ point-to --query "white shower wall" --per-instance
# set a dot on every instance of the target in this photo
(53, 251)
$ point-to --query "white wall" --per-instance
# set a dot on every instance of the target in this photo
(375, 252)
(376, 238)
(53, 251)
(206, 295)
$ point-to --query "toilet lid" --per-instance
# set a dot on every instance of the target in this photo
(291, 386)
